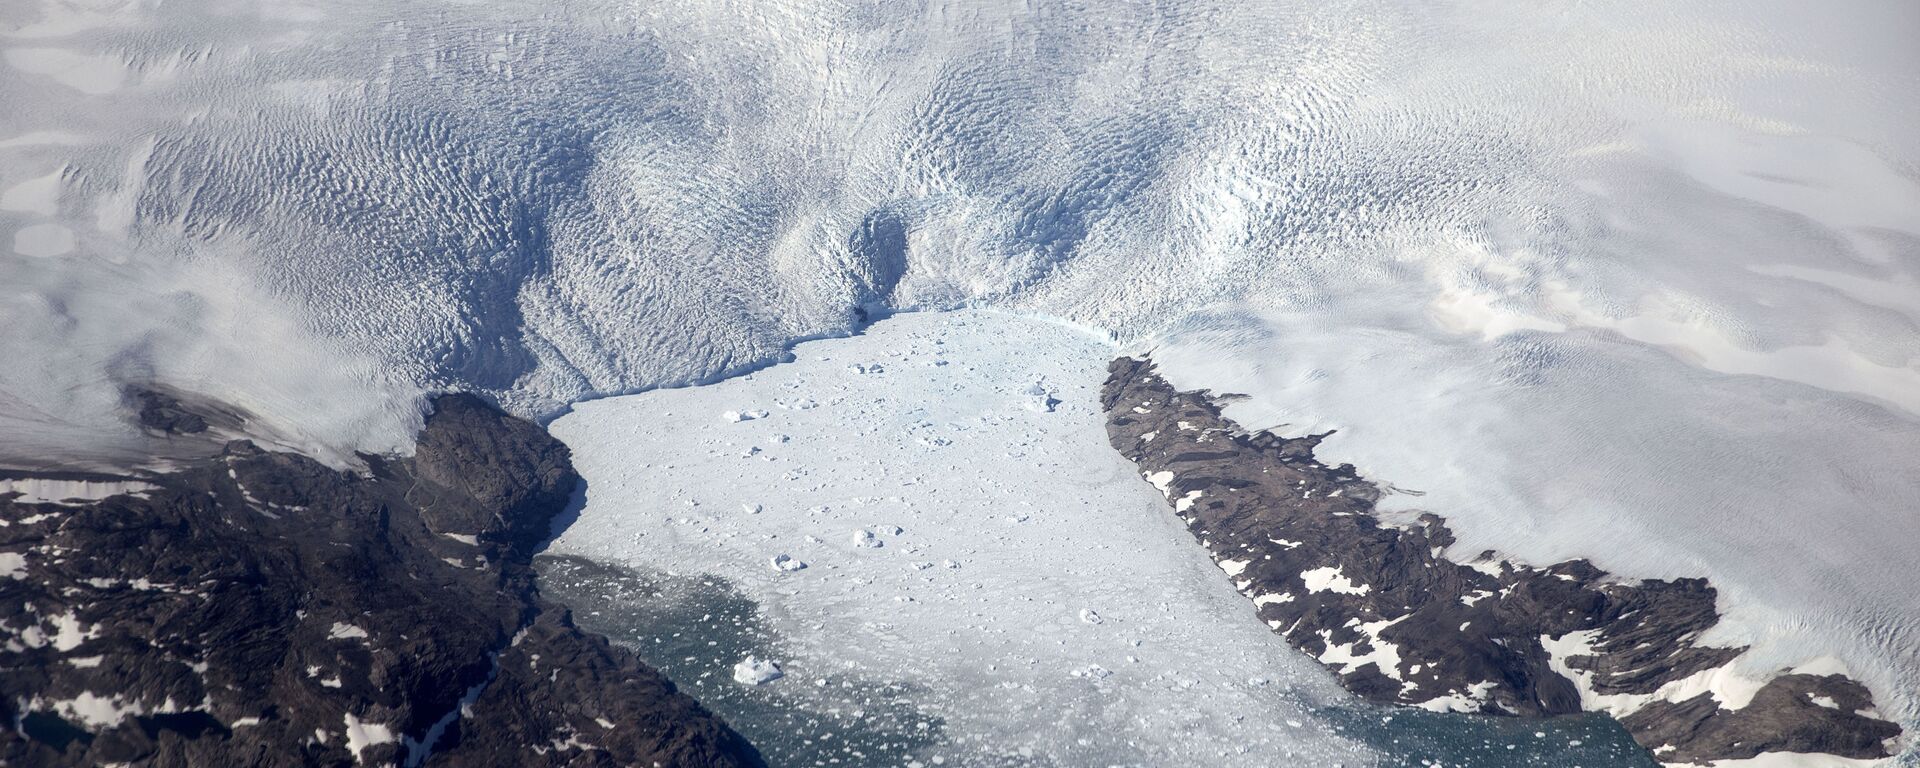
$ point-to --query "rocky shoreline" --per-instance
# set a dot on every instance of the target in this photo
(1381, 603)
(262, 609)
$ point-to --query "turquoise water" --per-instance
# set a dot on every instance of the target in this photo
(693, 628)
(1415, 738)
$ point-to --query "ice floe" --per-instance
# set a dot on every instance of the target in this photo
(752, 671)
(1023, 568)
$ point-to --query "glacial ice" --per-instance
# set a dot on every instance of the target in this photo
(752, 671)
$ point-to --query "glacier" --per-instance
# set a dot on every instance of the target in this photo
(1632, 283)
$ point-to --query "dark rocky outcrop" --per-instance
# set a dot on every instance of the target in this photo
(1792, 713)
(263, 609)
(1400, 622)
(164, 413)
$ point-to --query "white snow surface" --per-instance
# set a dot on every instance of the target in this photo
(39, 490)
(1330, 579)
(1058, 560)
(362, 734)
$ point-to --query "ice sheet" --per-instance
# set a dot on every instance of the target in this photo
(552, 203)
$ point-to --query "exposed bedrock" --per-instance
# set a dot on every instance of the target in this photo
(1382, 604)
(263, 609)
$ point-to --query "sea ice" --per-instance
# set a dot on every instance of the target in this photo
(1096, 604)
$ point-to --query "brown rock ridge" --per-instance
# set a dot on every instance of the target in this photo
(263, 609)
(1400, 623)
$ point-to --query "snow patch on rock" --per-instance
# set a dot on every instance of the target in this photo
(1330, 579)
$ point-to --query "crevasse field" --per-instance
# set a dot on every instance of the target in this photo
(1603, 279)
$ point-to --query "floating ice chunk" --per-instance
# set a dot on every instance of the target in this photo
(739, 416)
(868, 368)
(786, 562)
(751, 509)
(889, 530)
(865, 538)
(1039, 399)
(753, 671)
(1090, 616)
